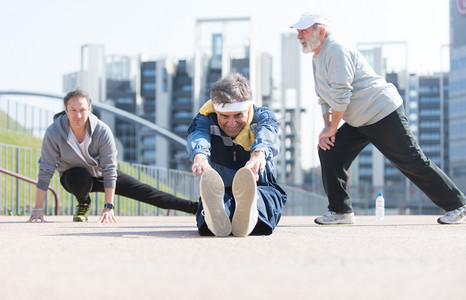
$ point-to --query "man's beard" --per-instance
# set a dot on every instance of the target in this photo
(310, 44)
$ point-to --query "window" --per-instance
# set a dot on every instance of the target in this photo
(181, 128)
(430, 136)
(149, 72)
(183, 100)
(149, 86)
(148, 140)
(148, 153)
(183, 114)
(187, 88)
(365, 172)
(430, 100)
(125, 100)
(429, 124)
(430, 112)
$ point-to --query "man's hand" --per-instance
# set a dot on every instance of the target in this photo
(107, 216)
(326, 138)
(38, 211)
(37, 215)
(200, 164)
(327, 135)
(256, 163)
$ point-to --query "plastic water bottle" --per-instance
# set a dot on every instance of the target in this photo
(379, 207)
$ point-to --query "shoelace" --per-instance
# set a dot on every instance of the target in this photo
(82, 209)
(333, 215)
(457, 213)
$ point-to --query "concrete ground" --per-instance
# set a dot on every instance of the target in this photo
(402, 257)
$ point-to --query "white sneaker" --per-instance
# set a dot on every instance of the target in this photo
(245, 193)
(454, 217)
(332, 217)
(212, 191)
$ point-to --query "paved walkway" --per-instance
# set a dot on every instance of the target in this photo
(402, 257)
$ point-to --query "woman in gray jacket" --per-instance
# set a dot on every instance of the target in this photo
(82, 148)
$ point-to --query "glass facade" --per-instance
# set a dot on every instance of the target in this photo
(457, 111)
(182, 111)
(433, 120)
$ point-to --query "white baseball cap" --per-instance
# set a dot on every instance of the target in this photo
(308, 20)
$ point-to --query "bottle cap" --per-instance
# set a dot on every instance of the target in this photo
(380, 194)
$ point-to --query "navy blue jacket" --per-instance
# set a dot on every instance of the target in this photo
(206, 136)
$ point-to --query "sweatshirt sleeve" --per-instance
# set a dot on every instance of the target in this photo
(48, 160)
(199, 136)
(266, 133)
(107, 153)
(341, 69)
(325, 108)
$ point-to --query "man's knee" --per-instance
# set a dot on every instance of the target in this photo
(76, 180)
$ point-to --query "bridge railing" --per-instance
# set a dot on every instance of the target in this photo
(19, 115)
(27, 114)
(17, 196)
(17, 193)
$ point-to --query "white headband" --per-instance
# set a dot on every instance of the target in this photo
(232, 107)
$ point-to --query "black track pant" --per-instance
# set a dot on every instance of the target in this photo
(80, 183)
(394, 139)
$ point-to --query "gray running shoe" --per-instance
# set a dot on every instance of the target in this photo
(212, 191)
(454, 217)
(332, 217)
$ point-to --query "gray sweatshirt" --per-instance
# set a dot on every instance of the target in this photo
(57, 152)
(344, 81)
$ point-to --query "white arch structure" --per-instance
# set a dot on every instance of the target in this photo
(116, 111)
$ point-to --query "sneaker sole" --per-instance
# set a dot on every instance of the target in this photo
(212, 200)
(244, 189)
(460, 221)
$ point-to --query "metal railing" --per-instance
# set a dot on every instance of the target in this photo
(304, 203)
(19, 115)
(19, 176)
(17, 195)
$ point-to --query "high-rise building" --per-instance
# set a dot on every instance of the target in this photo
(71, 81)
(92, 75)
(162, 91)
(425, 99)
(121, 93)
(225, 51)
(289, 168)
(181, 110)
(93, 71)
(156, 94)
(432, 121)
(457, 93)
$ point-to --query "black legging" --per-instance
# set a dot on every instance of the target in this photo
(80, 183)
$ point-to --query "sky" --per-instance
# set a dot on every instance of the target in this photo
(40, 41)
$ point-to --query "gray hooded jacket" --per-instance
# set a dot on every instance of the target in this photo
(57, 152)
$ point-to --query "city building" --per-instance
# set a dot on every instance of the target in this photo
(457, 93)
(289, 168)
(220, 50)
(93, 71)
(425, 99)
(181, 110)
(432, 121)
